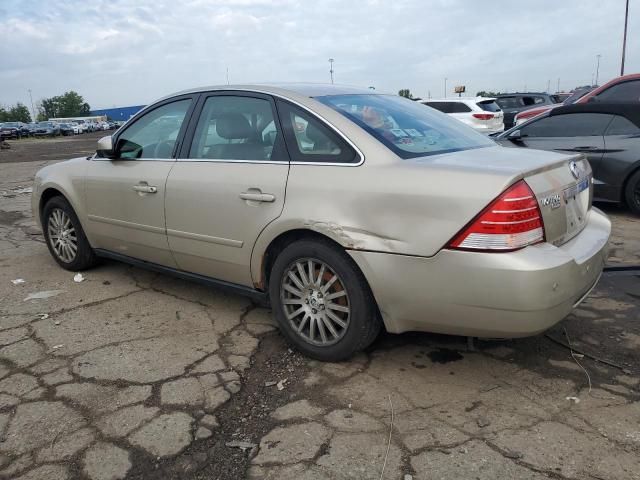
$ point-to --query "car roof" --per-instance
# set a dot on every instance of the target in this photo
(303, 89)
(631, 111)
(515, 94)
(457, 99)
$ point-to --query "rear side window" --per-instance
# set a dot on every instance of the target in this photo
(621, 126)
(489, 106)
(450, 107)
(622, 92)
(569, 125)
(311, 140)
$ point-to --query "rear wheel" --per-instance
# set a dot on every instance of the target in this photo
(322, 301)
(632, 193)
(64, 236)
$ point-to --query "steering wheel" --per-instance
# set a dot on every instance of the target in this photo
(163, 149)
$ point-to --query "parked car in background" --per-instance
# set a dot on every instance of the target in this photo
(608, 134)
(11, 130)
(47, 129)
(82, 126)
(76, 128)
(512, 103)
(621, 89)
(480, 113)
(66, 129)
(394, 214)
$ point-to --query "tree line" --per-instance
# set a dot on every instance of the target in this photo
(69, 104)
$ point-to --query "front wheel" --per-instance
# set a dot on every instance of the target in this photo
(322, 301)
(65, 238)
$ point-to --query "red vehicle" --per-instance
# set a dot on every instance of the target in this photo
(620, 89)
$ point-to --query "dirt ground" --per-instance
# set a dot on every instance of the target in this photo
(131, 374)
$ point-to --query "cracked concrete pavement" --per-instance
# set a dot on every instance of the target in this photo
(130, 374)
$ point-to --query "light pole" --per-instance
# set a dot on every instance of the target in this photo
(597, 67)
(445, 87)
(624, 38)
(33, 110)
(331, 68)
(558, 90)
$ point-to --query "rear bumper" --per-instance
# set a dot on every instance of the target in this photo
(501, 295)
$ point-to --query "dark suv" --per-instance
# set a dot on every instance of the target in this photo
(512, 103)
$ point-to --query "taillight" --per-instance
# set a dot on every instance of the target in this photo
(512, 221)
(483, 116)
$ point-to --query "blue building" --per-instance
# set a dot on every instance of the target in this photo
(118, 113)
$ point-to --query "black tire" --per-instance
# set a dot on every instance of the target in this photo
(632, 193)
(364, 322)
(84, 256)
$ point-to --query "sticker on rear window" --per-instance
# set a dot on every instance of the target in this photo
(413, 132)
(398, 132)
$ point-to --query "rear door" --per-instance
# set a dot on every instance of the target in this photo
(621, 157)
(227, 186)
(569, 133)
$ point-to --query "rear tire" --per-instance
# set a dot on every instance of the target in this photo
(65, 238)
(632, 193)
(328, 314)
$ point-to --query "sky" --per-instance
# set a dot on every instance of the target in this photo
(126, 52)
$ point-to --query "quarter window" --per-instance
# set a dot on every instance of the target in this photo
(154, 135)
(310, 140)
(621, 126)
(237, 128)
(569, 125)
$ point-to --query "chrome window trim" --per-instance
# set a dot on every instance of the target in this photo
(311, 112)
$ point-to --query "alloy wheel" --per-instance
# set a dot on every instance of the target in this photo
(315, 301)
(62, 235)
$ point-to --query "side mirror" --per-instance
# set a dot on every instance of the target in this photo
(515, 135)
(105, 147)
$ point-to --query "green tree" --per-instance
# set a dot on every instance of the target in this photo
(69, 104)
(3, 115)
(484, 93)
(406, 93)
(19, 113)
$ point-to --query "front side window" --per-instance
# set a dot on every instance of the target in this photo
(622, 92)
(310, 140)
(153, 135)
(237, 128)
(569, 125)
(406, 127)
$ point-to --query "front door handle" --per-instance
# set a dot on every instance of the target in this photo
(142, 188)
(257, 196)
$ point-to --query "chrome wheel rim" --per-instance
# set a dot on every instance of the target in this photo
(315, 302)
(62, 235)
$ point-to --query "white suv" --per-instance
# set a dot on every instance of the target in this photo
(480, 113)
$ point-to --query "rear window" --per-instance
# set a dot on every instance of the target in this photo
(489, 106)
(509, 102)
(405, 127)
(622, 92)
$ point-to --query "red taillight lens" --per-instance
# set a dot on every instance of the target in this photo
(483, 116)
(512, 221)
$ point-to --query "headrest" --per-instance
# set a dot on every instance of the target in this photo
(233, 126)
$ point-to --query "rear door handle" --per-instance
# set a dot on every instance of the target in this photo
(145, 188)
(257, 196)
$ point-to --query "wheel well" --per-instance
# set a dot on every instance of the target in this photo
(280, 243)
(623, 193)
(47, 195)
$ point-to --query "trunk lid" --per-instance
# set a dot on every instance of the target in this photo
(561, 183)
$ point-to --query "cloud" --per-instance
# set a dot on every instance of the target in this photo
(117, 52)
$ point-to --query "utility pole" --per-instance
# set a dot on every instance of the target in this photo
(558, 90)
(33, 110)
(331, 69)
(445, 87)
(227, 75)
(592, 79)
(624, 38)
(597, 67)
(548, 86)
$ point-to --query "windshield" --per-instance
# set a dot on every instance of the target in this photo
(408, 128)
(12, 124)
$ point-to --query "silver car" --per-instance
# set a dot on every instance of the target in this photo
(347, 210)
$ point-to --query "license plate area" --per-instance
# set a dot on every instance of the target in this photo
(577, 203)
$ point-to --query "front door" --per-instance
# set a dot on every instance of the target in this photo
(125, 196)
(228, 187)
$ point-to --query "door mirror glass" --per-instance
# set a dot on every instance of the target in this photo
(105, 147)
